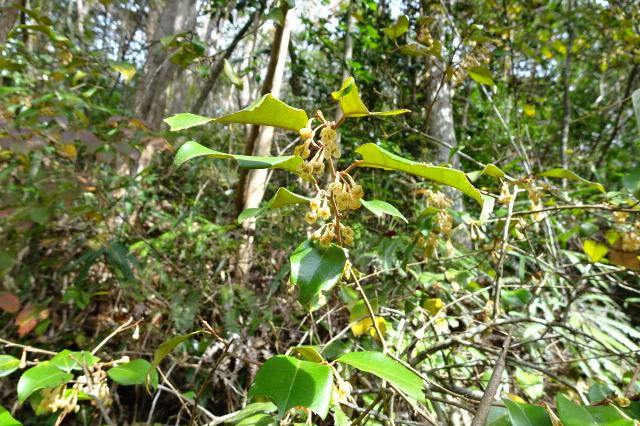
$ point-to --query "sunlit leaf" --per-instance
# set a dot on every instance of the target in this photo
(233, 77)
(433, 305)
(134, 373)
(579, 415)
(186, 120)
(379, 208)
(282, 198)
(481, 75)
(526, 415)
(6, 419)
(398, 28)
(309, 353)
(568, 174)
(315, 269)
(67, 360)
(388, 369)
(42, 376)
(269, 111)
(127, 70)
(374, 156)
(351, 104)
(8, 364)
(192, 149)
(594, 250)
(290, 382)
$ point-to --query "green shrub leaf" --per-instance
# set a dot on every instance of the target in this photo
(352, 105)
(526, 415)
(290, 382)
(481, 75)
(134, 373)
(388, 369)
(578, 415)
(379, 208)
(6, 419)
(282, 198)
(568, 174)
(315, 269)
(8, 364)
(269, 111)
(192, 149)
(43, 376)
(376, 157)
(400, 27)
(186, 120)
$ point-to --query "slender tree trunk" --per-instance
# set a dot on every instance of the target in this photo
(177, 16)
(8, 17)
(252, 184)
(566, 101)
(348, 44)
(216, 70)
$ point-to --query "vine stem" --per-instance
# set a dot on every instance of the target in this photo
(385, 349)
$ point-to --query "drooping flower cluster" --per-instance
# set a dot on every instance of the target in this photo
(348, 194)
(316, 152)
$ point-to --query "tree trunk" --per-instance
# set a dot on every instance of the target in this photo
(177, 16)
(252, 184)
(348, 44)
(566, 101)
(216, 70)
(8, 19)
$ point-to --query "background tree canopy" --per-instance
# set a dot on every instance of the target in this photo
(319, 211)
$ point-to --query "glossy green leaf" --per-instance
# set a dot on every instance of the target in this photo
(489, 170)
(269, 111)
(8, 364)
(400, 27)
(339, 417)
(282, 198)
(594, 250)
(379, 208)
(166, 347)
(193, 149)
(568, 174)
(352, 105)
(579, 415)
(376, 157)
(258, 420)
(233, 77)
(599, 392)
(251, 410)
(309, 353)
(481, 75)
(186, 120)
(42, 376)
(498, 416)
(388, 369)
(315, 269)
(526, 415)
(290, 382)
(6, 419)
(67, 360)
(134, 373)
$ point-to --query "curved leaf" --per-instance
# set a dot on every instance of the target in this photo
(388, 369)
(134, 373)
(42, 376)
(315, 269)
(578, 415)
(269, 111)
(398, 28)
(376, 157)
(6, 419)
(67, 360)
(192, 149)
(526, 415)
(481, 75)
(379, 208)
(568, 174)
(283, 197)
(352, 105)
(186, 120)
(8, 364)
(165, 348)
(291, 382)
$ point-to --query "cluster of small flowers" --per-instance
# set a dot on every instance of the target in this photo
(319, 208)
(630, 242)
(327, 233)
(59, 399)
(505, 196)
(438, 199)
(442, 222)
(96, 387)
(535, 197)
(348, 194)
(325, 149)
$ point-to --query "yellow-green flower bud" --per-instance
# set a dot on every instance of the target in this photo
(311, 217)
(306, 133)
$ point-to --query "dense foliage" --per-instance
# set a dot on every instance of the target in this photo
(348, 212)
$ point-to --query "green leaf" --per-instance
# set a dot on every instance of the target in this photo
(400, 27)
(8, 364)
(165, 348)
(388, 369)
(185, 120)
(531, 383)
(290, 382)
(481, 75)
(315, 269)
(42, 376)
(134, 373)
(276, 15)
(339, 417)
(352, 105)
(193, 149)
(489, 170)
(6, 419)
(283, 197)
(599, 392)
(577, 415)
(258, 420)
(526, 415)
(67, 360)
(498, 416)
(488, 203)
(127, 70)
(251, 410)
(376, 157)
(231, 75)
(594, 250)
(309, 353)
(269, 111)
(568, 174)
(379, 208)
